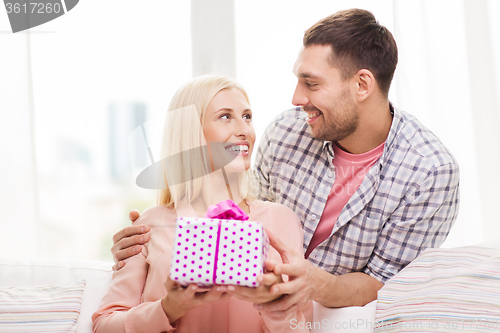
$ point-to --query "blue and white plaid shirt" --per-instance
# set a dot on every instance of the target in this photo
(407, 202)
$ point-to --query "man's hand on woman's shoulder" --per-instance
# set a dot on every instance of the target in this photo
(126, 241)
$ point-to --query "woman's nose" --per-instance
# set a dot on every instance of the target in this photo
(242, 128)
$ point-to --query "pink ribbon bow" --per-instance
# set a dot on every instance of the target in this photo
(226, 210)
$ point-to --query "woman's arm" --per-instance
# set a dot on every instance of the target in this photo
(121, 308)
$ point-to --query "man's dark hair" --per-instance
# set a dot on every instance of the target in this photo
(358, 41)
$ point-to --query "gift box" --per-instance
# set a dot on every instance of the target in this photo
(210, 251)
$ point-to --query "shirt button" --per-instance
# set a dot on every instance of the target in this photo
(337, 223)
(313, 217)
(330, 174)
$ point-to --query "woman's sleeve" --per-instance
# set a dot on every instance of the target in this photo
(121, 309)
(286, 226)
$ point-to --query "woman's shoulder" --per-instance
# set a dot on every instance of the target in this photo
(260, 207)
(280, 220)
(156, 213)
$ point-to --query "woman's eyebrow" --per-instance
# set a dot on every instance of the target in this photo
(225, 110)
(231, 110)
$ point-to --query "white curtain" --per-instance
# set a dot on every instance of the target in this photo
(447, 76)
(19, 221)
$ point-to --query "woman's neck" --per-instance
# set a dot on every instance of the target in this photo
(223, 187)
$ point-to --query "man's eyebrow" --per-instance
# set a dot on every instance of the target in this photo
(306, 75)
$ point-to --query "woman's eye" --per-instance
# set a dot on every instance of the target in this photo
(224, 116)
(247, 117)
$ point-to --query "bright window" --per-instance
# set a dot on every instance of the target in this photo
(99, 71)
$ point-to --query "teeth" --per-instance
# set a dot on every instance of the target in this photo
(312, 115)
(237, 148)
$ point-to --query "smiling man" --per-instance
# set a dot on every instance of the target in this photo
(370, 184)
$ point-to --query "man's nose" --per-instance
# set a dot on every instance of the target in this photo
(299, 96)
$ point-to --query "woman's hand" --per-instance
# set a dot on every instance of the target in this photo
(260, 294)
(180, 300)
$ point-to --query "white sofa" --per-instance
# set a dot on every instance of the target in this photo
(97, 274)
(471, 290)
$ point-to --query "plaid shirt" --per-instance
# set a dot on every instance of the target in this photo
(407, 202)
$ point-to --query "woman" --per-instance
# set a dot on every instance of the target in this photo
(212, 112)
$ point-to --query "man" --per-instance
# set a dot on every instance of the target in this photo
(372, 186)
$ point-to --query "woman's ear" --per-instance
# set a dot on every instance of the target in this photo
(365, 84)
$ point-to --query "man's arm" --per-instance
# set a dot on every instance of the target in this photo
(422, 221)
(308, 282)
(126, 242)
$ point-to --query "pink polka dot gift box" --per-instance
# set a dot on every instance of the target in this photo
(221, 248)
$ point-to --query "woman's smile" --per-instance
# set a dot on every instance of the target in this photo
(238, 148)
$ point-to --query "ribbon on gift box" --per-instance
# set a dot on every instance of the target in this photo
(224, 210)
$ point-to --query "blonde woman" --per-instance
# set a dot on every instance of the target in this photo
(213, 112)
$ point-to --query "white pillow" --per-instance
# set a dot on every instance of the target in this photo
(443, 290)
(47, 308)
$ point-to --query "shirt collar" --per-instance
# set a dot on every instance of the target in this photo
(328, 146)
(396, 122)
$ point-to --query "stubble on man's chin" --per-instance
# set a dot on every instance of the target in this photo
(332, 135)
(335, 134)
(336, 131)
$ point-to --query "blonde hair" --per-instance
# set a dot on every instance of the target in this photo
(183, 133)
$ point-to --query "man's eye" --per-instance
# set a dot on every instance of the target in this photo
(311, 84)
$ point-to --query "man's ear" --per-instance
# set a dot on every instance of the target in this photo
(365, 84)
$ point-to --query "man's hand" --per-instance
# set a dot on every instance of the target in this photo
(308, 282)
(126, 241)
(305, 281)
(261, 293)
(180, 300)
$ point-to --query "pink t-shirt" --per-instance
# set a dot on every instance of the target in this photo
(350, 170)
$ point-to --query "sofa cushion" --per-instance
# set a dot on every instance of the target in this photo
(443, 290)
(97, 275)
(49, 308)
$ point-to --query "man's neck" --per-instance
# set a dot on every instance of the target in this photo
(373, 128)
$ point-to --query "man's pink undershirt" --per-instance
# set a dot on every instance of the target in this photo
(350, 170)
